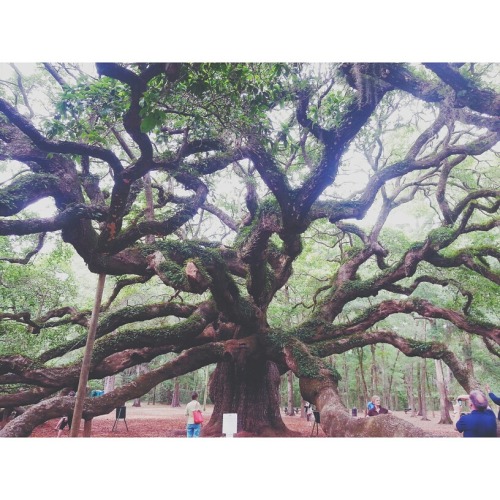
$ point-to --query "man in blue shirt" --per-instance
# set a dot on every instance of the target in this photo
(481, 421)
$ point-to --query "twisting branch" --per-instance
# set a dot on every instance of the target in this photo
(60, 221)
(27, 258)
(22, 90)
(467, 93)
(114, 320)
(138, 85)
(409, 347)
(55, 74)
(23, 317)
(408, 290)
(58, 146)
(120, 285)
(320, 331)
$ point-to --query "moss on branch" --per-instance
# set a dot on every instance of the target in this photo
(24, 190)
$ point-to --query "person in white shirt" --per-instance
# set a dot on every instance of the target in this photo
(192, 429)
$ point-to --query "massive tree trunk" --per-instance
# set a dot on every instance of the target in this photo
(252, 392)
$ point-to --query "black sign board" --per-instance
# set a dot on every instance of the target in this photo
(121, 412)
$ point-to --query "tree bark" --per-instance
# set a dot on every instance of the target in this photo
(176, 400)
(467, 350)
(137, 401)
(443, 396)
(109, 384)
(336, 421)
(423, 391)
(87, 428)
(252, 392)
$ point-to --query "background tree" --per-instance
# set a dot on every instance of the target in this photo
(257, 170)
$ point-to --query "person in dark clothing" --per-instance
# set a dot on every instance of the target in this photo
(481, 421)
(63, 422)
(377, 409)
(66, 420)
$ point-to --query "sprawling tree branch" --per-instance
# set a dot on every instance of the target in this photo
(190, 124)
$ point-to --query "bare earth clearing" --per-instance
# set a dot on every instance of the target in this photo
(165, 421)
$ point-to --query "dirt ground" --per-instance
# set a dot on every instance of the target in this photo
(165, 421)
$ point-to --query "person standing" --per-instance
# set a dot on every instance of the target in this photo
(307, 407)
(481, 421)
(192, 429)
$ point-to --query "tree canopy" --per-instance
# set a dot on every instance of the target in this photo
(259, 211)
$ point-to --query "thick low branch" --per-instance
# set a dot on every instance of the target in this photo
(60, 221)
(26, 397)
(66, 147)
(122, 317)
(320, 388)
(467, 93)
(23, 317)
(465, 258)
(390, 307)
(187, 362)
(112, 241)
(409, 347)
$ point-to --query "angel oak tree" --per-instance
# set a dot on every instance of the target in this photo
(250, 166)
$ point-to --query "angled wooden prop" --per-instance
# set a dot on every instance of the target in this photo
(89, 346)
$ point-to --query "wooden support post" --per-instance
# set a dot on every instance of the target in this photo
(87, 357)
